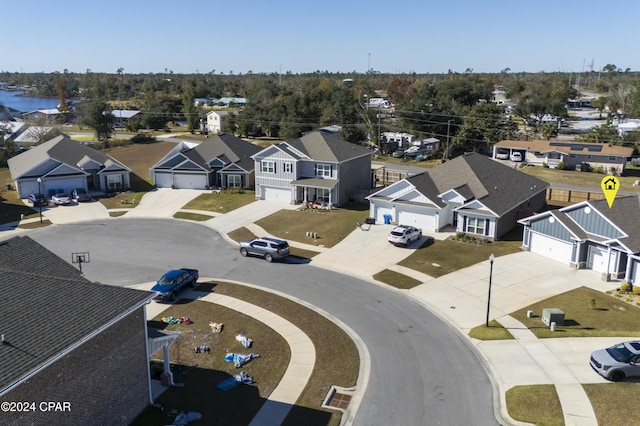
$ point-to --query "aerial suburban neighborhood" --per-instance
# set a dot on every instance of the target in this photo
(269, 249)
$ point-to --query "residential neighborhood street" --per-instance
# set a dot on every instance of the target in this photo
(414, 352)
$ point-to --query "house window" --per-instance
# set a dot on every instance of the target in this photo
(114, 181)
(288, 167)
(234, 181)
(268, 167)
(323, 170)
(612, 158)
(476, 225)
(323, 194)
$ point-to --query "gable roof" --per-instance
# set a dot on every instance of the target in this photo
(61, 149)
(227, 148)
(624, 214)
(476, 177)
(324, 146)
(48, 308)
(568, 147)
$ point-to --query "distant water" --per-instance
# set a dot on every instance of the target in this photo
(25, 103)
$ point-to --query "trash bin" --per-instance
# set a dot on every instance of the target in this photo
(370, 221)
(387, 219)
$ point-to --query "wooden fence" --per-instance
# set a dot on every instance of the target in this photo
(571, 196)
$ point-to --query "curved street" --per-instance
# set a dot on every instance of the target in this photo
(422, 371)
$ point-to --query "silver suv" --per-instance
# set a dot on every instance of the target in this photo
(269, 248)
(618, 361)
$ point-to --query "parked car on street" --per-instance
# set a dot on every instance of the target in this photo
(60, 198)
(398, 153)
(173, 282)
(617, 362)
(402, 235)
(38, 200)
(269, 248)
(80, 194)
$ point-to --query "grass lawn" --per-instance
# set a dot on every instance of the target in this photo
(192, 216)
(396, 279)
(610, 317)
(525, 404)
(336, 364)
(611, 403)
(495, 331)
(330, 226)
(225, 201)
(139, 158)
(438, 258)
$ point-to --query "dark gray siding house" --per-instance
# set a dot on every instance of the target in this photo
(221, 161)
(318, 167)
(69, 340)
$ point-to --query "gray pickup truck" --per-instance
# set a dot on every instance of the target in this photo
(173, 282)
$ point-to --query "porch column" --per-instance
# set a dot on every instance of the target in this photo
(167, 366)
(627, 272)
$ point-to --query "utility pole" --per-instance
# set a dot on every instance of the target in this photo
(445, 157)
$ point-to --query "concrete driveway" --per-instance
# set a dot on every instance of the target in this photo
(163, 202)
(75, 212)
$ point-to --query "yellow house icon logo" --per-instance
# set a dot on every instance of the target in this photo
(610, 186)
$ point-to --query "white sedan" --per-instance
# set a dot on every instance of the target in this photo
(60, 198)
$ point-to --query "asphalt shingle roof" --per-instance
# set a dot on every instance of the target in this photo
(61, 149)
(226, 147)
(47, 307)
(323, 146)
(498, 187)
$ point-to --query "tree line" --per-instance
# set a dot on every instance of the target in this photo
(456, 106)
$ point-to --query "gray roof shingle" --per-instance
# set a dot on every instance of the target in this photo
(228, 148)
(498, 187)
(47, 307)
(323, 146)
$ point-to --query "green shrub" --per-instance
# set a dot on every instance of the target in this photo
(625, 287)
(636, 290)
(592, 303)
(561, 165)
(545, 165)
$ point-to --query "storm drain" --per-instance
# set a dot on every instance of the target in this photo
(338, 398)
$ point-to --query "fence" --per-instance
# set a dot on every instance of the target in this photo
(571, 196)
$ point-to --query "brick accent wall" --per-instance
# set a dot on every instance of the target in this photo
(104, 380)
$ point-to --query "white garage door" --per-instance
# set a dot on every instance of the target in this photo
(27, 188)
(422, 221)
(66, 185)
(380, 212)
(549, 247)
(163, 180)
(276, 194)
(597, 259)
(189, 181)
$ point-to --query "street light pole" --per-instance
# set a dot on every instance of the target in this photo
(39, 197)
(491, 259)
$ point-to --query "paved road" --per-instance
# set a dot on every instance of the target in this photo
(422, 371)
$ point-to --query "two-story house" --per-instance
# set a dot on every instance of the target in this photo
(319, 166)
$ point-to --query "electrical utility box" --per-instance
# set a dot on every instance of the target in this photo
(550, 315)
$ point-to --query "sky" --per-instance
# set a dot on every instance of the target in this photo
(301, 36)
